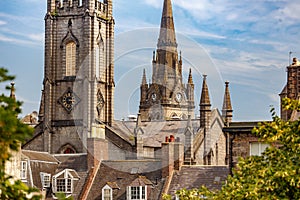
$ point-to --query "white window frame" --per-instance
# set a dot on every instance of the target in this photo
(23, 170)
(141, 195)
(106, 187)
(45, 179)
(67, 177)
(260, 148)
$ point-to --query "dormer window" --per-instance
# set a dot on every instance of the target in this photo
(106, 193)
(64, 181)
(139, 189)
(136, 192)
(45, 179)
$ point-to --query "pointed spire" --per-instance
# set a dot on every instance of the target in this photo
(144, 79)
(190, 80)
(227, 107)
(167, 36)
(204, 100)
(12, 91)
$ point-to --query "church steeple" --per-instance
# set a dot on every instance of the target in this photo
(167, 37)
(167, 96)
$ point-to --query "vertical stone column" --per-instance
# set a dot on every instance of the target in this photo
(97, 151)
(167, 159)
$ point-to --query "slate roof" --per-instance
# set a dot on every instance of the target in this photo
(120, 174)
(190, 177)
(40, 156)
(78, 162)
(39, 162)
(155, 132)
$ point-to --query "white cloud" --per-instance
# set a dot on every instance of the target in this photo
(2, 22)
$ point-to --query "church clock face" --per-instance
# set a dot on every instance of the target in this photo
(178, 97)
(69, 100)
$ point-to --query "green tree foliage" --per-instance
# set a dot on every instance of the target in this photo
(12, 134)
(274, 175)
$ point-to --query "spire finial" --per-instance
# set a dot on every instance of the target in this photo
(12, 90)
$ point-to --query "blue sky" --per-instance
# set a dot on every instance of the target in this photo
(245, 42)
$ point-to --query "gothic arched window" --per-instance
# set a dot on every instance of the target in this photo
(71, 59)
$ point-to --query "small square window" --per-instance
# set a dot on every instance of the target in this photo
(46, 179)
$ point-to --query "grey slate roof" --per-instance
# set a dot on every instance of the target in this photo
(78, 162)
(120, 173)
(156, 131)
(190, 177)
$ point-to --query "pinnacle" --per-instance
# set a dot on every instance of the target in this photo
(227, 100)
(190, 80)
(204, 100)
(144, 79)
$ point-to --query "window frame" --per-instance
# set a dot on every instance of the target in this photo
(104, 196)
(259, 148)
(141, 193)
(44, 184)
(23, 170)
(67, 182)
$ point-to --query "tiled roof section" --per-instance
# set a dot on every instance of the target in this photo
(119, 173)
(79, 185)
(39, 162)
(40, 156)
(189, 177)
(140, 181)
(156, 132)
(113, 185)
(78, 162)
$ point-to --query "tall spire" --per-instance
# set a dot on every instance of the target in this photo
(205, 100)
(12, 91)
(190, 80)
(167, 36)
(227, 108)
(144, 79)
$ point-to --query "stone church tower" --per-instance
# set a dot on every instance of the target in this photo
(167, 97)
(78, 86)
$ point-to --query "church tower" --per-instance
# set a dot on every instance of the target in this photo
(167, 97)
(78, 86)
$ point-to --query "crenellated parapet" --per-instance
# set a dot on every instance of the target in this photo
(80, 7)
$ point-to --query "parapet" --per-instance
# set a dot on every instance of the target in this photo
(73, 6)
